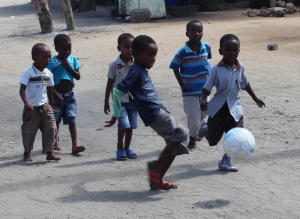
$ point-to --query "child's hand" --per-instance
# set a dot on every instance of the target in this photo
(66, 64)
(58, 98)
(259, 102)
(111, 122)
(28, 107)
(185, 88)
(204, 105)
(106, 108)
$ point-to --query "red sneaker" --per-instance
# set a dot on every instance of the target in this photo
(77, 149)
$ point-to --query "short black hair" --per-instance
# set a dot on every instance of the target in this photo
(123, 37)
(60, 39)
(37, 48)
(189, 24)
(228, 37)
(140, 43)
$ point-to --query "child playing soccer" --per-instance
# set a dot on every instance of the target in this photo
(65, 67)
(118, 69)
(151, 111)
(191, 68)
(225, 109)
(35, 89)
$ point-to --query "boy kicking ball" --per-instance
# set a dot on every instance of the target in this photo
(225, 109)
(151, 111)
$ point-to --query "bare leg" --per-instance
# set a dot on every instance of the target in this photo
(165, 160)
(167, 165)
(128, 136)
(73, 132)
(157, 169)
(57, 143)
(76, 148)
(57, 137)
(121, 134)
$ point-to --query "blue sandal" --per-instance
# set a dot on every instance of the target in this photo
(130, 154)
(121, 155)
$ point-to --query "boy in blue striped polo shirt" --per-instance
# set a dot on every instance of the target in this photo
(191, 68)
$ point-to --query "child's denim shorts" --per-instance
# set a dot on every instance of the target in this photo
(128, 117)
(67, 110)
(169, 128)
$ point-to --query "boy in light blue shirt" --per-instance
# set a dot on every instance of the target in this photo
(65, 67)
(60, 72)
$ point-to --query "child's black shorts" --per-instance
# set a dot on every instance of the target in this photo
(222, 122)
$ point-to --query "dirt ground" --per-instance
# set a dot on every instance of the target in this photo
(94, 184)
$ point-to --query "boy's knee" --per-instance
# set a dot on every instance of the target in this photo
(178, 135)
(182, 134)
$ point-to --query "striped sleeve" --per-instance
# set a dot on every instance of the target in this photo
(177, 60)
(209, 55)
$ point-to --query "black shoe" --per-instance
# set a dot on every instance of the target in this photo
(192, 143)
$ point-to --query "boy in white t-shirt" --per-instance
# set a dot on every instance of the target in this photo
(117, 70)
(36, 87)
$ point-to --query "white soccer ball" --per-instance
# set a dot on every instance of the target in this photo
(238, 143)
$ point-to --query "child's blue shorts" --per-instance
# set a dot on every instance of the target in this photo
(67, 110)
(128, 117)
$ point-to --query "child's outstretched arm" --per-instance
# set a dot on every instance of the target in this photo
(108, 89)
(117, 98)
(183, 87)
(75, 73)
(258, 101)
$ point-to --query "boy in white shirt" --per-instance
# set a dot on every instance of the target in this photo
(35, 90)
(225, 108)
(118, 69)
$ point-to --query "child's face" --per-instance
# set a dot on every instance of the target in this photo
(125, 48)
(41, 60)
(64, 50)
(147, 57)
(195, 32)
(230, 51)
